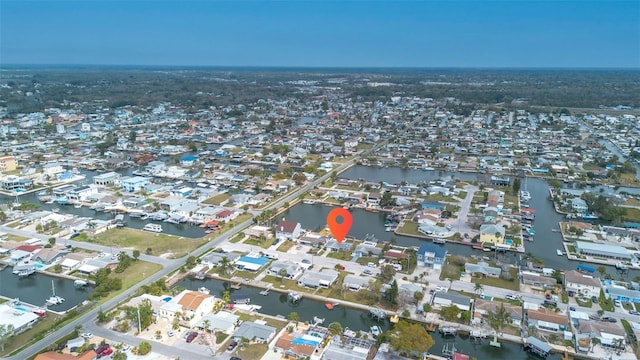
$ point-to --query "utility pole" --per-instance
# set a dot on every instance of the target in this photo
(139, 326)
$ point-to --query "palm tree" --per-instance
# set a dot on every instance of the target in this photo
(282, 273)
(225, 265)
(205, 325)
(478, 288)
(499, 319)
(335, 328)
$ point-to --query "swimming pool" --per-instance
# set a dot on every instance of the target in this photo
(21, 308)
(508, 242)
(38, 266)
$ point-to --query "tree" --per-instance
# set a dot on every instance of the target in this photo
(293, 316)
(335, 328)
(191, 261)
(144, 348)
(499, 318)
(602, 270)
(426, 307)
(52, 241)
(418, 296)
(387, 273)
(282, 273)
(409, 338)
(6, 331)
(224, 265)
(391, 294)
(450, 312)
(119, 355)
(478, 288)
(516, 186)
(387, 199)
(136, 254)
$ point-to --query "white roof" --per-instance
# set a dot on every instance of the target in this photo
(69, 263)
(17, 318)
(88, 268)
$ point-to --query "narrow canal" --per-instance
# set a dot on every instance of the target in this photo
(277, 304)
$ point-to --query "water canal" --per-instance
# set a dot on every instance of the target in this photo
(36, 289)
(277, 304)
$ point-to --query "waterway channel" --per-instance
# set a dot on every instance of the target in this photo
(277, 304)
(36, 289)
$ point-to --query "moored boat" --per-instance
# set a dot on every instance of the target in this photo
(153, 228)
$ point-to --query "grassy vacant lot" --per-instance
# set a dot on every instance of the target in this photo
(512, 284)
(11, 237)
(217, 200)
(141, 240)
(410, 227)
(257, 242)
(286, 245)
(284, 283)
(632, 215)
(136, 272)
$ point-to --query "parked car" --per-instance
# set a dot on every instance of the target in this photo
(234, 358)
(572, 308)
(609, 319)
(87, 335)
(617, 303)
(306, 261)
(126, 347)
(232, 346)
(367, 272)
(594, 299)
(192, 336)
(103, 350)
(75, 234)
(633, 312)
(170, 333)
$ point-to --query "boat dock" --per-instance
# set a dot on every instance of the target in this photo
(265, 292)
(448, 330)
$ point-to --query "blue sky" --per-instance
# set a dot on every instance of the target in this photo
(322, 33)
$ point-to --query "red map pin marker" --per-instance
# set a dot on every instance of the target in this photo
(339, 230)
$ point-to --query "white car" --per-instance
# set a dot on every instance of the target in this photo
(617, 303)
(126, 347)
(87, 335)
(170, 333)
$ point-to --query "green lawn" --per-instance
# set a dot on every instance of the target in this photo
(136, 272)
(513, 284)
(160, 244)
(252, 351)
(22, 339)
(217, 200)
(239, 236)
(286, 245)
(410, 227)
(284, 283)
(605, 304)
(256, 242)
(340, 255)
(585, 303)
(11, 237)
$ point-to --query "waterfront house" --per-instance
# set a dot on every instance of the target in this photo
(602, 250)
(333, 245)
(355, 282)
(195, 304)
(288, 230)
(432, 204)
(294, 346)
(576, 283)
(13, 183)
(7, 164)
(134, 183)
(170, 310)
(222, 321)
(315, 279)
(482, 269)
(537, 281)
(81, 193)
(52, 169)
(444, 299)
(484, 307)
(488, 233)
(21, 320)
(18, 255)
(107, 179)
(547, 320)
(367, 249)
(608, 333)
(349, 348)
(205, 214)
(255, 332)
(257, 231)
(214, 258)
(500, 180)
(226, 215)
(616, 291)
(49, 256)
(431, 256)
(314, 240)
(579, 206)
(251, 262)
(155, 167)
(292, 269)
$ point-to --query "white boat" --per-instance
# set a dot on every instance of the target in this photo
(294, 296)
(54, 299)
(559, 252)
(203, 290)
(80, 283)
(375, 331)
(153, 228)
(318, 321)
(621, 266)
(439, 241)
(525, 195)
(77, 206)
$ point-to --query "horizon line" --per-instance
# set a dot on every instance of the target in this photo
(311, 67)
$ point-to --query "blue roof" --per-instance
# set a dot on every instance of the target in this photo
(429, 247)
(259, 261)
(189, 158)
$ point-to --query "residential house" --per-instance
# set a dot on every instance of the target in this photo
(482, 309)
(579, 206)
(492, 233)
(292, 346)
(355, 282)
(483, 269)
(431, 256)
(293, 270)
(315, 279)
(444, 299)
(254, 331)
(537, 281)
(222, 321)
(214, 258)
(195, 304)
(107, 179)
(7, 164)
(52, 169)
(576, 283)
(350, 348)
(609, 334)
(314, 240)
(134, 183)
(547, 320)
(288, 230)
(226, 215)
(49, 256)
(13, 183)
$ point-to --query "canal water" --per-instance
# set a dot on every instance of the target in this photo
(36, 289)
(277, 304)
